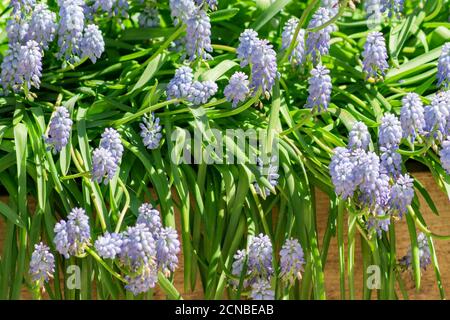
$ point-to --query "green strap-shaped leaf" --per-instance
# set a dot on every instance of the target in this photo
(11, 215)
(268, 14)
(150, 71)
(20, 139)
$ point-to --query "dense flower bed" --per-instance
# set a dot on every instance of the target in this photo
(115, 117)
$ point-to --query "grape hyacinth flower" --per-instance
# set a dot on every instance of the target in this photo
(237, 89)
(143, 280)
(198, 36)
(291, 260)
(10, 78)
(319, 91)
(318, 43)
(42, 26)
(379, 224)
(393, 7)
(59, 130)
(424, 253)
(390, 131)
(342, 172)
(180, 85)
(260, 255)
(424, 250)
(367, 169)
(261, 290)
(351, 169)
(72, 236)
(150, 217)
(149, 18)
(111, 141)
(375, 56)
(443, 74)
(201, 92)
(138, 256)
(30, 66)
(42, 264)
(374, 14)
(377, 201)
(70, 31)
(17, 30)
(181, 10)
(271, 173)
(150, 131)
(212, 4)
(445, 156)
(402, 193)
(22, 6)
(332, 5)
(167, 249)
(247, 42)
(297, 56)
(391, 162)
(92, 44)
(104, 165)
(359, 137)
(89, 13)
(264, 66)
(109, 245)
(437, 115)
(138, 247)
(117, 8)
(21, 67)
(238, 267)
(121, 9)
(177, 45)
(104, 5)
(412, 116)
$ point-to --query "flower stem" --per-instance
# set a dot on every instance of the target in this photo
(297, 31)
(423, 228)
(332, 20)
(224, 48)
(104, 264)
(76, 175)
(125, 207)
